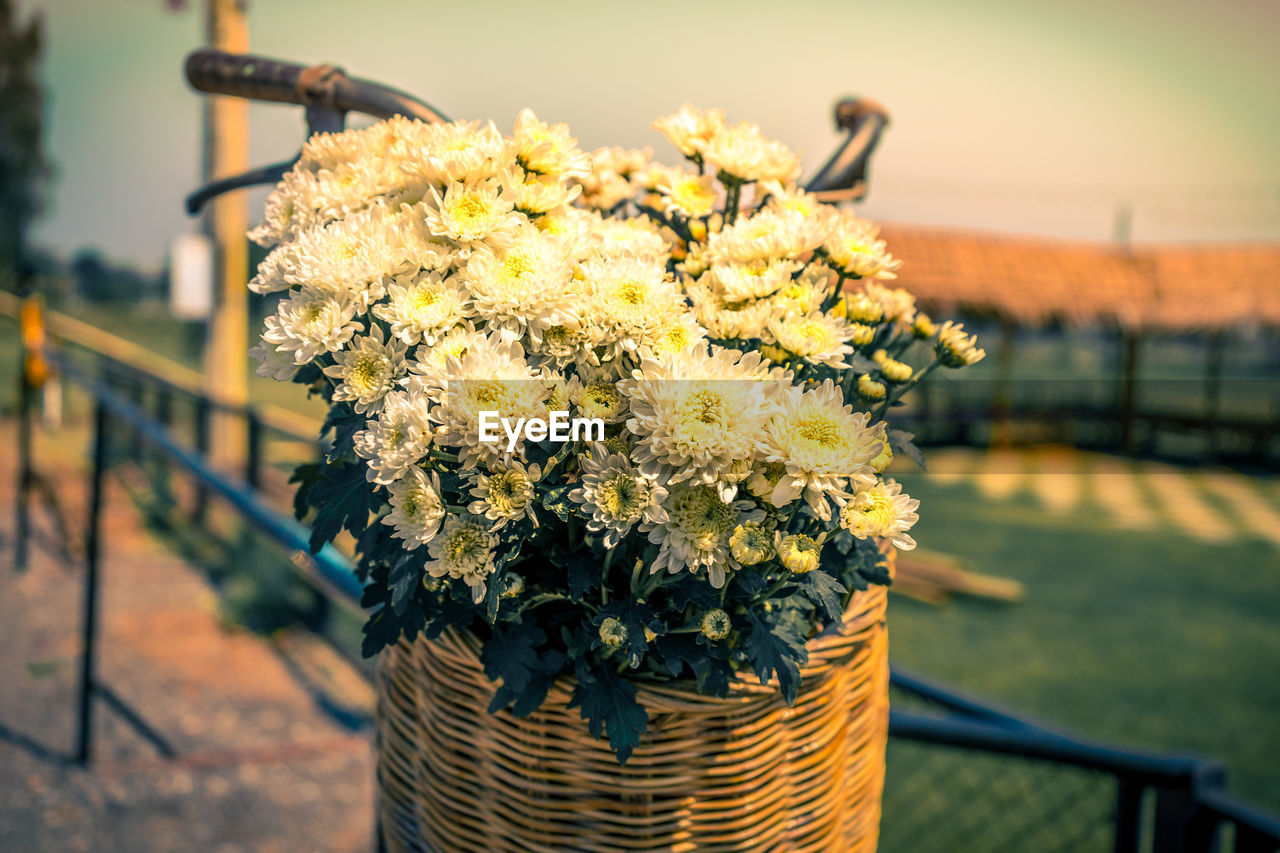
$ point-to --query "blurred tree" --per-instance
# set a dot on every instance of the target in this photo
(23, 169)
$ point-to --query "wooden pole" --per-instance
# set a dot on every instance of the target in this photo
(226, 148)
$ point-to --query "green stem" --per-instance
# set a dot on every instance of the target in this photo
(890, 399)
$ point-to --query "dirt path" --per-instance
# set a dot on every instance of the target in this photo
(260, 763)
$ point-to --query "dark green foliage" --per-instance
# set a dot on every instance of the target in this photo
(608, 703)
(776, 648)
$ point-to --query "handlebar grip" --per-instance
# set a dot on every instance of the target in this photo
(327, 86)
(217, 72)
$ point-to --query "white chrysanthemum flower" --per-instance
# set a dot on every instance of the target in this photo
(600, 400)
(791, 200)
(677, 333)
(689, 129)
(561, 346)
(882, 511)
(491, 376)
(698, 531)
(630, 299)
(807, 293)
(289, 209)
(456, 151)
(397, 438)
(379, 141)
(463, 551)
(747, 154)
(688, 194)
(536, 195)
(422, 306)
(896, 305)
(735, 282)
(548, 149)
(416, 508)
(506, 493)
(855, 248)
(616, 496)
(817, 338)
(770, 233)
(525, 287)
(638, 238)
(312, 322)
(354, 254)
(957, 348)
(696, 415)
(824, 445)
(726, 320)
(473, 214)
(454, 343)
(367, 371)
(272, 363)
(609, 182)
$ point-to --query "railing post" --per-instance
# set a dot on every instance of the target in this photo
(89, 625)
(1177, 829)
(1128, 816)
(203, 415)
(253, 458)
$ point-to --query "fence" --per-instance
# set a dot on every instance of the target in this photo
(963, 775)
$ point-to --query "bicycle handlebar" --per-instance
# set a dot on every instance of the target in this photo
(217, 72)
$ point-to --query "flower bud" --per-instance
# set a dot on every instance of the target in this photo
(612, 632)
(799, 553)
(896, 371)
(716, 624)
(869, 389)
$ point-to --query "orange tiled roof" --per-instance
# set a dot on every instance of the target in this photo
(1035, 280)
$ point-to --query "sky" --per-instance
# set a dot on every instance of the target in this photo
(1021, 116)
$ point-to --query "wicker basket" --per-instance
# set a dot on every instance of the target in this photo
(743, 773)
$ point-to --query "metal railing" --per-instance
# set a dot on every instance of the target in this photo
(963, 773)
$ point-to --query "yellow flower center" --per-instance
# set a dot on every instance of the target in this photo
(623, 497)
(818, 430)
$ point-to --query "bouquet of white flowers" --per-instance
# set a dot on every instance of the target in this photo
(620, 420)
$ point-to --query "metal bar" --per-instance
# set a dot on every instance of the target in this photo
(253, 458)
(89, 624)
(332, 569)
(1260, 826)
(1170, 771)
(954, 700)
(203, 417)
(1128, 816)
(135, 720)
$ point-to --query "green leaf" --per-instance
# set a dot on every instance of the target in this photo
(903, 443)
(707, 664)
(384, 629)
(343, 498)
(609, 705)
(825, 592)
(776, 649)
(511, 654)
(403, 580)
(305, 475)
(582, 571)
(525, 702)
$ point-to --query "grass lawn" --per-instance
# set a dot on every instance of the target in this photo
(1140, 638)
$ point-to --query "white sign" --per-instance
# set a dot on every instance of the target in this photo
(191, 277)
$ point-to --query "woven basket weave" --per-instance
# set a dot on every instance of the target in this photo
(743, 773)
